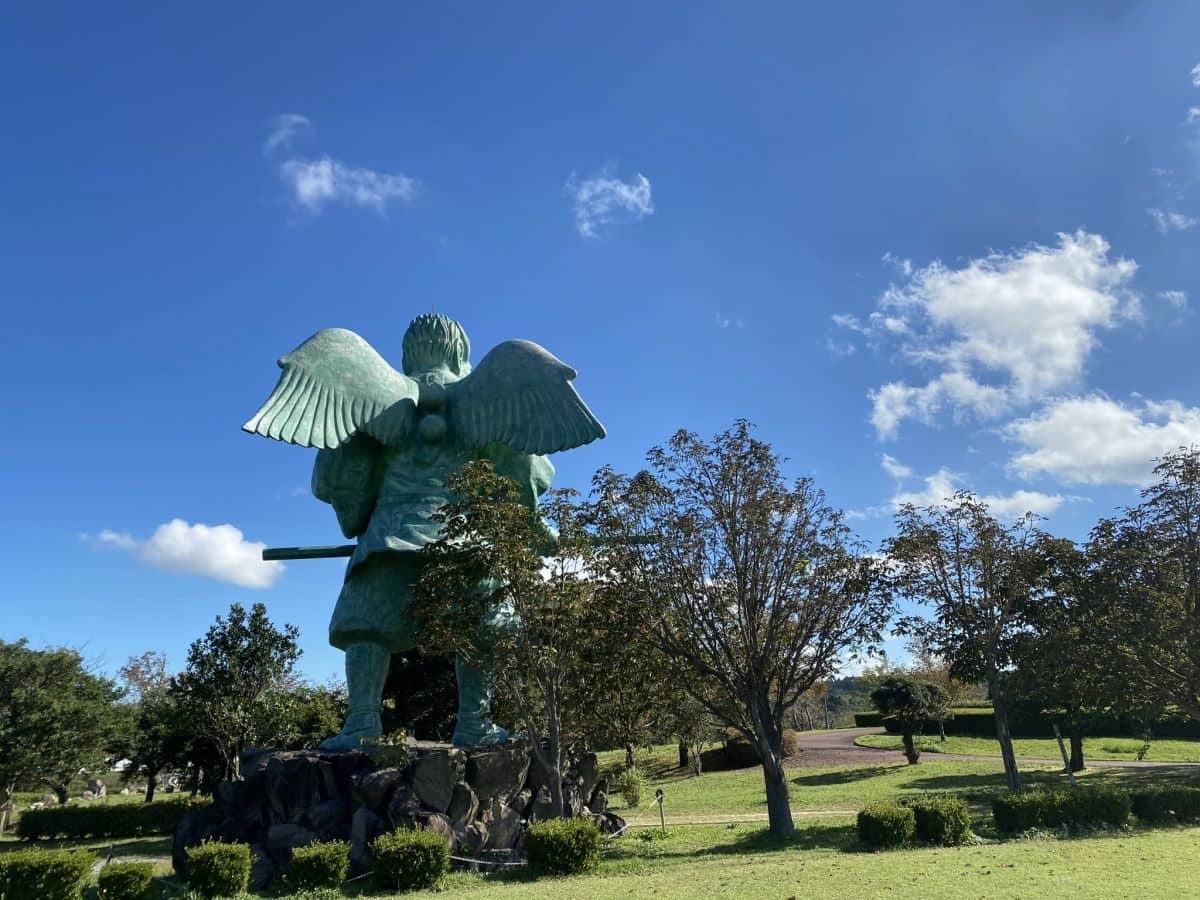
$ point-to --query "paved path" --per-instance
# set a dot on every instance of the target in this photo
(837, 748)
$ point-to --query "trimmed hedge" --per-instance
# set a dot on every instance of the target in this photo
(410, 859)
(945, 821)
(563, 846)
(38, 874)
(1077, 807)
(868, 720)
(886, 825)
(103, 820)
(125, 881)
(320, 865)
(979, 721)
(1166, 804)
(216, 869)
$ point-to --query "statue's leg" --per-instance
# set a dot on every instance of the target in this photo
(370, 623)
(475, 725)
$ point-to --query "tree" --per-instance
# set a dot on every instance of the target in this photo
(56, 717)
(978, 577)
(756, 588)
(487, 594)
(160, 734)
(1146, 580)
(236, 682)
(317, 711)
(421, 695)
(910, 704)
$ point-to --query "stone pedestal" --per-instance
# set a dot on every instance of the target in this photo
(479, 798)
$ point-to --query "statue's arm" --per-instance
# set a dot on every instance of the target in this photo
(533, 473)
(348, 478)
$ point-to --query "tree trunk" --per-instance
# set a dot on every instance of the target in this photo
(779, 807)
(1076, 735)
(942, 731)
(630, 755)
(697, 762)
(911, 753)
(5, 799)
(60, 791)
(151, 784)
(683, 754)
(1000, 706)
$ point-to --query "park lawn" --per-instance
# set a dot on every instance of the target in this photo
(1108, 748)
(744, 861)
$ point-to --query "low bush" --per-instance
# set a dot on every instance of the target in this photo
(125, 881)
(563, 846)
(886, 825)
(321, 865)
(1077, 807)
(38, 874)
(940, 820)
(868, 720)
(410, 859)
(216, 869)
(789, 742)
(103, 820)
(629, 785)
(1165, 804)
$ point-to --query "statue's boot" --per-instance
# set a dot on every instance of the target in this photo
(366, 671)
(475, 725)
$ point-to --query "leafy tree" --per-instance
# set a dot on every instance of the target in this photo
(56, 717)
(317, 711)
(1146, 584)
(420, 695)
(978, 576)
(756, 587)
(160, 734)
(910, 704)
(487, 594)
(235, 686)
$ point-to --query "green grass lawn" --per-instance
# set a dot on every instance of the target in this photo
(1046, 748)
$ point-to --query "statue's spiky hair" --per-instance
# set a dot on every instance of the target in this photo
(434, 340)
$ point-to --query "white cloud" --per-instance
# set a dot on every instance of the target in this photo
(904, 265)
(219, 552)
(286, 127)
(1177, 299)
(604, 199)
(941, 485)
(999, 331)
(895, 468)
(317, 182)
(1193, 114)
(1095, 440)
(1196, 75)
(1166, 221)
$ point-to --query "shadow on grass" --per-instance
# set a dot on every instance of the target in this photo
(151, 845)
(842, 776)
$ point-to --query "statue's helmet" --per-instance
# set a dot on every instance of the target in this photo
(433, 341)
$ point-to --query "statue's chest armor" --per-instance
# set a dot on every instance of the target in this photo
(421, 465)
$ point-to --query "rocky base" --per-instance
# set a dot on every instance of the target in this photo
(479, 798)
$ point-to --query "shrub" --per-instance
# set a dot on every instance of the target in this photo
(321, 865)
(410, 859)
(1078, 807)
(563, 846)
(45, 874)
(1163, 804)
(629, 785)
(886, 824)
(125, 881)
(103, 820)
(216, 869)
(941, 820)
(789, 742)
(868, 720)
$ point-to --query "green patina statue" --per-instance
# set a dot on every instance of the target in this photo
(387, 443)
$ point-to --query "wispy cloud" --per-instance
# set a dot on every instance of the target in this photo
(604, 200)
(286, 127)
(1196, 75)
(315, 183)
(726, 322)
(1166, 221)
(1177, 299)
(220, 552)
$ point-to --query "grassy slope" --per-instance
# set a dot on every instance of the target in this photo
(1039, 748)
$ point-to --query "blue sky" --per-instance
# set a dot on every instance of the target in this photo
(946, 246)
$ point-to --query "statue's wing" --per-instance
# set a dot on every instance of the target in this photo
(334, 386)
(521, 395)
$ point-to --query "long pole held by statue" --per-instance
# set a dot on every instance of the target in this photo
(273, 553)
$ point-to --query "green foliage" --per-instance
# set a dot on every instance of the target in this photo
(45, 874)
(125, 881)
(945, 821)
(216, 869)
(563, 846)
(789, 742)
(629, 784)
(1079, 807)
(886, 825)
(909, 704)
(321, 865)
(102, 820)
(1164, 804)
(410, 859)
(868, 720)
